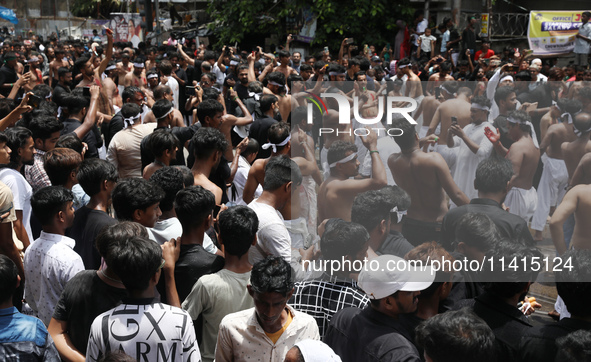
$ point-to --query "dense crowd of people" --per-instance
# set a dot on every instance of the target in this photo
(175, 202)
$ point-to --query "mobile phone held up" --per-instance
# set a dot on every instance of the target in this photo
(34, 101)
(190, 91)
(454, 121)
(86, 91)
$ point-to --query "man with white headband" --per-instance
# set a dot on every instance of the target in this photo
(554, 179)
(284, 60)
(506, 101)
(524, 154)
(276, 86)
(337, 192)
(375, 333)
(123, 67)
(137, 77)
(456, 103)
(472, 144)
(427, 179)
(414, 89)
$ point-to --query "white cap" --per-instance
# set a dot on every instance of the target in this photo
(537, 61)
(394, 274)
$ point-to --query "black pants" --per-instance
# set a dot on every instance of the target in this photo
(419, 232)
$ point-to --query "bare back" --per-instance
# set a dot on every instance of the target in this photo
(451, 108)
(414, 86)
(429, 106)
(525, 157)
(332, 203)
(573, 152)
(580, 238)
(557, 135)
(417, 174)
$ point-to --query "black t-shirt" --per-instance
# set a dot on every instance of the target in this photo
(90, 138)
(111, 128)
(88, 224)
(59, 95)
(194, 262)
(241, 90)
(469, 39)
(395, 244)
(7, 75)
(85, 297)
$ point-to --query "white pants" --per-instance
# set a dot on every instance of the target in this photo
(522, 202)
(550, 191)
(324, 162)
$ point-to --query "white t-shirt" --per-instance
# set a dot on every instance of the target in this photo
(219, 75)
(272, 235)
(426, 42)
(420, 29)
(164, 230)
(240, 181)
(21, 193)
(146, 332)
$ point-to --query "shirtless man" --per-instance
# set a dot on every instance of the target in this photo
(110, 87)
(414, 89)
(553, 116)
(369, 109)
(276, 86)
(164, 92)
(554, 178)
(337, 192)
(439, 77)
(284, 58)
(59, 61)
(522, 198)
(280, 143)
(137, 78)
(582, 174)
(208, 146)
(124, 66)
(578, 202)
(424, 114)
(574, 151)
(456, 104)
(331, 132)
(427, 179)
(92, 76)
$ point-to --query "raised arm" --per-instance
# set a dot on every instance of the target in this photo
(567, 207)
(91, 115)
(189, 60)
(108, 53)
(15, 115)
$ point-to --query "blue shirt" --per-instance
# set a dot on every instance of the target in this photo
(26, 337)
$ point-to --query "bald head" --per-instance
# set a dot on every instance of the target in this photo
(582, 122)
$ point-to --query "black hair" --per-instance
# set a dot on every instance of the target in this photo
(4, 139)
(305, 68)
(81, 62)
(445, 66)
(48, 201)
(59, 164)
(456, 336)
(6, 106)
(62, 71)
(399, 198)
(492, 175)
(320, 63)
(76, 103)
(171, 181)
(278, 133)
(510, 281)
(370, 208)
(279, 171)
(208, 55)
(522, 117)
(573, 284)
(276, 77)
(42, 90)
(404, 61)
(272, 275)
(135, 262)
(338, 151)
(17, 138)
(477, 231)
(358, 74)
(161, 108)
(129, 93)
(44, 127)
(407, 139)
(574, 347)
(93, 172)
(166, 67)
(208, 108)
(206, 141)
(193, 205)
(133, 194)
(238, 228)
(70, 141)
(342, 238)
(299, 115)
(523, 75)
(115, 234)
(502, 93)
(267, 101)
(162, 140)
(353, 62)
(159, 92)
(8, 278)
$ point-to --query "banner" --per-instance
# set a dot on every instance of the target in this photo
(553, 32)
(127, 28)
(8, 14)
(484, 25)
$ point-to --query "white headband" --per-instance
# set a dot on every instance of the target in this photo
(400, 214)
(150, 76)
(167, 113)
(446, 90)
(233, 62)
(110, 67)
(506, 77)
(138, 65)
(531, 129)
(580, 133)
(336, 73)
(478, 106)
(34, 59)
(275, 83)
(344, 160)
(403, 66)
(131, 120)
(49, 96)
(274, 146)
